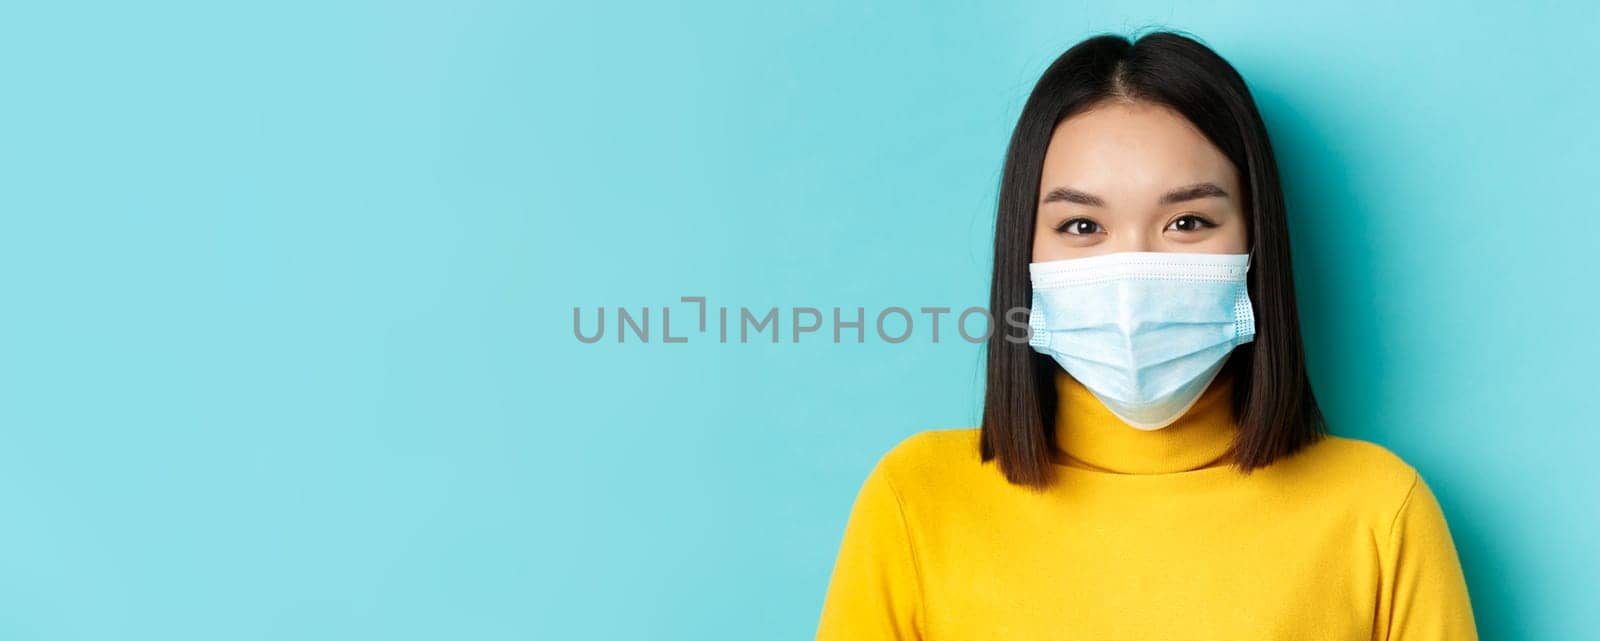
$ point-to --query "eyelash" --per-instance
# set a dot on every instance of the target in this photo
(1067, 224)
(1205, 223)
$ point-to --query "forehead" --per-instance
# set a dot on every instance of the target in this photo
(1118, 146)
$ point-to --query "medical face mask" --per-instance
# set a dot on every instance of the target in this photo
(1146, 332)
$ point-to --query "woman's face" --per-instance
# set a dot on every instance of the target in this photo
(1135, 177)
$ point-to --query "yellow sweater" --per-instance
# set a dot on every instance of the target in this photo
(1145, 536)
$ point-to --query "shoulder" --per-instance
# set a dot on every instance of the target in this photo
(1355, 472)
(1363, 458)
(935, 448)
(924, 461)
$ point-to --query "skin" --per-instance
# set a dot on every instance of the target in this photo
(1106, 173)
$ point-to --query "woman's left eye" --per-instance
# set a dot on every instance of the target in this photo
(1190, 222)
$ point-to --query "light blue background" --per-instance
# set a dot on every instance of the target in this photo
(286, 347)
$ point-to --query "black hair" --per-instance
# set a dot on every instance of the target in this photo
(1273, 400)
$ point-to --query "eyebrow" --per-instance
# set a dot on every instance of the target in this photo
(1185, 193)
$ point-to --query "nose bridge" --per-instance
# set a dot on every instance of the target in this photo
(1137, 241)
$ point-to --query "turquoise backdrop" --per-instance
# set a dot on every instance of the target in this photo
(286, 339)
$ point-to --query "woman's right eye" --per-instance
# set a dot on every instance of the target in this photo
(1078, 227)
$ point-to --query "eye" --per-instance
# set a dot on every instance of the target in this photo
(1190, 223)
(1078, 227)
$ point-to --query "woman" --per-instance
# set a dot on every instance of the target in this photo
(1152, 463)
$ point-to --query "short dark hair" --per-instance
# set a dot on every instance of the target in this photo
(1273, 401)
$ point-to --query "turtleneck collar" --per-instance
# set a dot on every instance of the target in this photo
(1089, 436)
